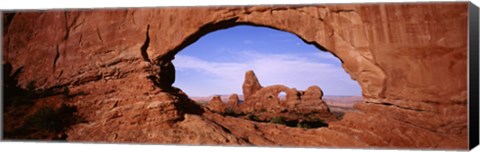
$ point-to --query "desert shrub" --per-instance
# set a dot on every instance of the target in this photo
(278, 120)
(231, 112)
(253, 117)
(303, 125)
(316, 123)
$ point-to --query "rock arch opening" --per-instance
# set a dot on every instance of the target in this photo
(282, 96)
(276, 56)
(212, 68)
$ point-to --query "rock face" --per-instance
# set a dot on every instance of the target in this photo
(410, 60)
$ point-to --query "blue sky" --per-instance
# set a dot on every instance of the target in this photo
(217, 62)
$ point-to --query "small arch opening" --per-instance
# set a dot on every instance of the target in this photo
(282, 96)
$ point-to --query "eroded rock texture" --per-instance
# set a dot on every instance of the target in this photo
(267, 102)
(409, 59)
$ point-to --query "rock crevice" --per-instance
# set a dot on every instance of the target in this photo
(144, 48)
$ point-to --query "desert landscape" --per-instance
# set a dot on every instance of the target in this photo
(265, 104)
(337, 105)
(106, 76)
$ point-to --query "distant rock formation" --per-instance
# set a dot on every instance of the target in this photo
(216, 105)
(266, 103)
(233, 101)
(313, 95)
(250, 85)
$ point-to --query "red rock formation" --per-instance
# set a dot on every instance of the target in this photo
(267, 104)
(233, 102)
(410, 60)
(312, 100)
(250, 85)
(217, 105)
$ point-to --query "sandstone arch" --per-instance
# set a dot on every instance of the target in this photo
(270, 93)
(282, 96)
(267, 99)
(359, 67)
(411, 56)
(370, 54)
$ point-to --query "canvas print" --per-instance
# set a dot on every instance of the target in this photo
(376, 75)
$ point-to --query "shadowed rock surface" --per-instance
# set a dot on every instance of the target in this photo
(409, 59)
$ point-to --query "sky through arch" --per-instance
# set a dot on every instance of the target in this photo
(217, 62)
